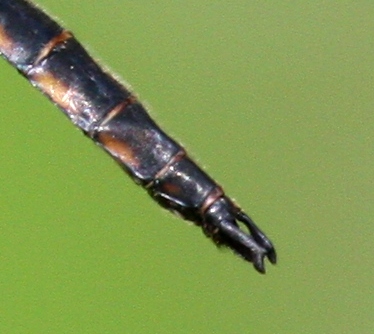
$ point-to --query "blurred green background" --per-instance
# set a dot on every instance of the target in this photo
(274, 99)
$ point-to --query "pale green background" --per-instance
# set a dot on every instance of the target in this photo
(274, 98)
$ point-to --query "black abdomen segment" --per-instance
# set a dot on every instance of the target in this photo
(55, 62)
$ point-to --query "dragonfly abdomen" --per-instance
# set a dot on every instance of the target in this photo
(109, 113)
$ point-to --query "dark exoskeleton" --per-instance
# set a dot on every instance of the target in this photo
(106, 111)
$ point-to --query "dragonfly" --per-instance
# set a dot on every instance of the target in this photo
(109, 113)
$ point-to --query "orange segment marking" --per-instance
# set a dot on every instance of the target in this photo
(53, 87)
(65, 96)
(119, 149)
(6, 44)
